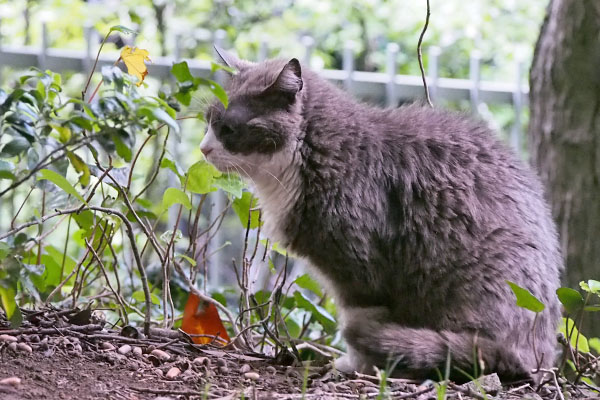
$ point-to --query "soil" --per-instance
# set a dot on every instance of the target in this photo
(52, 358)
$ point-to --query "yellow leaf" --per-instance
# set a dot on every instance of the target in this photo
(134, 61)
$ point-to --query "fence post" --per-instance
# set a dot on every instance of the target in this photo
(348, 64)
(516, 133)
(263, 50)
(475, 77)
(433, 71)
(217, 261)
(309, 45)
(44, 50)
(391, 51)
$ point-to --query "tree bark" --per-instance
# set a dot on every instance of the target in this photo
(564, 133)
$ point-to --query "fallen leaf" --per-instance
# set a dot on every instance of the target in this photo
(202, 318)
(134, 58)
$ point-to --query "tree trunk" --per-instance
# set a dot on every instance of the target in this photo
(564, 133)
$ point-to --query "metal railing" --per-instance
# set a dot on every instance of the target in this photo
(382, 87)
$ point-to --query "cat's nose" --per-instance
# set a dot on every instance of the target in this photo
(206, 150)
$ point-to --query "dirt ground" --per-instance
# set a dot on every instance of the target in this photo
(51, 358)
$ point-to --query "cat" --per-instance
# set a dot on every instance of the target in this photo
(413, 218)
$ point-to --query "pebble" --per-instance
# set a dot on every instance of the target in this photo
(125, 349)
(221, 362)
(271, 369)
(12, 346)
(223, 370)
(245, 368)
(137, 351)
(201, 361)
(24, 347)
(173, 373)
(13, 381)
(77, 348)
(161, 355)
(252, 375)
(8, 338)
(107, 346)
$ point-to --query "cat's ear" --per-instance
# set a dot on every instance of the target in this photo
(289, 80)
(231, 60)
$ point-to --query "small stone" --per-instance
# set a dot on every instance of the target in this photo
(8, 338)
(77, 348)
(159, 372)
(223, 370)
(137, 351)
(34, 338)
(271, 369)
(489, 383)
(125, 349)
(107, 346)
(245, 368)
(201, 361)
(161, 355)
(12, 381)
(24, 347)
(221, 362)
(173, 373)
(252, 375)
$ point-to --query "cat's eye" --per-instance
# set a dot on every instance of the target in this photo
(226, 130)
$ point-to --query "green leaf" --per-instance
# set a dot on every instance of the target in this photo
(200, 177)
(64, 133)
(162, 116)
(230, 183)
(594, 343)
(15, 147)
(576, 340)
(61, 182)
(13, 313)
(318, 312)
(85, 219)
(188, 259)
(166, 163)
(6, 168)
(123, 150)
(122, 29)
(4, 250)
(215, 88)
(140, 298)
(308, 283)
(81, 167)
(175, 196)
(525, 299)
(214, 67)
(181, 72)
(242, 207)
(571, 299)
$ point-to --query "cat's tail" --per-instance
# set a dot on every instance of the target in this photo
(422, 353)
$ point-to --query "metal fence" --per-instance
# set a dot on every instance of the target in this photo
(387, 88)
(382, 87)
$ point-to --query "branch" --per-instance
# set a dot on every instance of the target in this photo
(420, 55)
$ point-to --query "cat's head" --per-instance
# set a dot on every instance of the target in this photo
(260, 129)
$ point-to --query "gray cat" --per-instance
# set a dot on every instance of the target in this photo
(413, 219)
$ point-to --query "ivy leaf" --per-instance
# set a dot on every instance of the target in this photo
(122, 29)
(591, 286)
(200, 177)
(81, 167)
(15, 147)
(181, 72)
(175, 196)
(308, 283)
(215, 88)
(525, 299)
(317, 311)
(6, 168)
(575, 338)
(61, 182)
(242, 207)
(230, 183)
(13, 313)
(134, 59)
(571, 299)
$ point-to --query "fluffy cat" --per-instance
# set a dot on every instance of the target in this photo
(413, 218)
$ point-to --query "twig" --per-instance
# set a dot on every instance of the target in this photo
(553, 374)
(420, 55)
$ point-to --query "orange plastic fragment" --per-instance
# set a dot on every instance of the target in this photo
(202, 318)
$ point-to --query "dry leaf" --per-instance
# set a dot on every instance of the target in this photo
(202, 318)
(134, 61)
